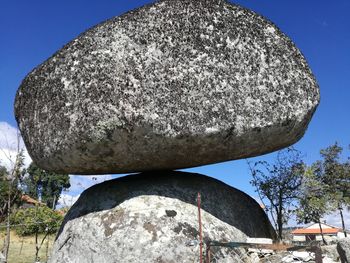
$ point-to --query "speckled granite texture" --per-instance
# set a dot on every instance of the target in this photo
(152, 217)
(175, 84)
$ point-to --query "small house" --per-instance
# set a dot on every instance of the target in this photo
(313, 232)
(28, 202)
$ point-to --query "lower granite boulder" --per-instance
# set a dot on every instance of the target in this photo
(153, 217)
(343, 248)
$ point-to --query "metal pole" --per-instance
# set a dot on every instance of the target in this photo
(208, 257)
(200, 229)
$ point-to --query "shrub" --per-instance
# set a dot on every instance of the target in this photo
(36, 220)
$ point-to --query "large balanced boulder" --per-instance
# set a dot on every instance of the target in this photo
(175, 84)
(153, 217)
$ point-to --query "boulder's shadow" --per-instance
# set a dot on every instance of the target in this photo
(226, 203)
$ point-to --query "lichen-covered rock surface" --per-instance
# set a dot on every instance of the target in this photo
(343, 248)
(175, 84)
(153, 217)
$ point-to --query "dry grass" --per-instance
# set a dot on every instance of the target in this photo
(22, 249)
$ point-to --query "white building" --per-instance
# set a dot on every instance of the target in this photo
(313, 232)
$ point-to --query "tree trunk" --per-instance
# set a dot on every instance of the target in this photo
(280, 227)
(321, 230)
(274, 220)
(342, 220)
(36, 247)
(54, 202)
(8, 226)
(47, 247)
(280, 217)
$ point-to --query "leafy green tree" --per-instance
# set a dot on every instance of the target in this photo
(44, 184)
(279, 183)
(10, 192)
(336, 177)
(4, 187)
(312, 199)
(35, 221)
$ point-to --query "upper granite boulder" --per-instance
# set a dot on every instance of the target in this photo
(175, 84)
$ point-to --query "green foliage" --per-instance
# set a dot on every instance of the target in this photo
(279, 183)
(10, 182)
(47, 185)
(326, 187)
(3, 183)
(4, 190)
(9, 186)
(313, 199)
(36, 220)
(335, 175)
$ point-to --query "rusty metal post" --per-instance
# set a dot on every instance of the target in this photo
(200, 229)
(208, 253)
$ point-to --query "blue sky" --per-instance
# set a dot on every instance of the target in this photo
(31, 31)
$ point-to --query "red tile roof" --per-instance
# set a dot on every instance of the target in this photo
(27, 199)
(303, 231)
